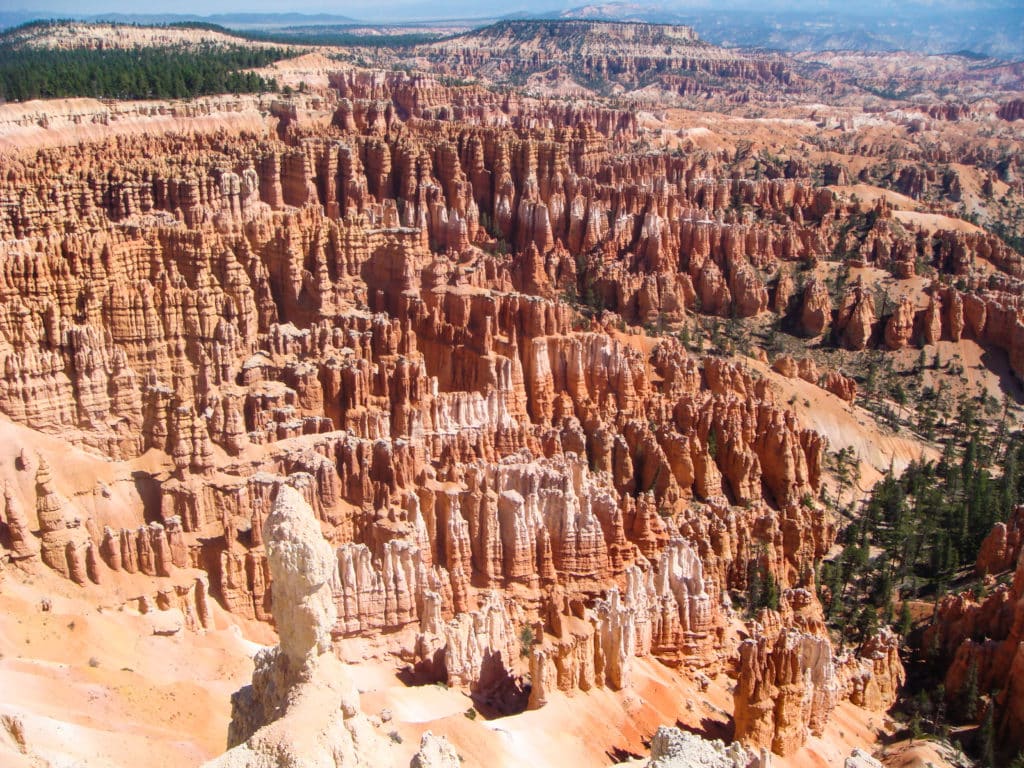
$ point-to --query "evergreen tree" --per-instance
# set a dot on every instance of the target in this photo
(139, 73)
(755, 586)
(987, 734)
(969, 694)
(771, 592)
(866, 623)
(940, 710)
(906, 620)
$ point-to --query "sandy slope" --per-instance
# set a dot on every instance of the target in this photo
(586, 728)
(846, 426)
(105, 490)
(92, 685)
(311, 70)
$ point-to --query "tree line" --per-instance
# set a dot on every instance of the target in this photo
(137, 73)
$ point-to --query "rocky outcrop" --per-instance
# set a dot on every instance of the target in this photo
(675, 748)
(786, 689)
(856, 318)
(624, 53)
(816, 308)
(435, 752)
(65, 546)
(1002, 546)
(375, 325)
(861, 759)
(478, 648)
(22, 544)
(784, 290)
(786, 365)
(665, 612)
(301, 568)
(749, 296)
(900, 326)
(1012, 110)
(301, 709)
(931, 320)
(841, 386)
(984, 637)
(872, 677)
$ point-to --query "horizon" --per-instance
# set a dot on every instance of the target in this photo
(406, 11)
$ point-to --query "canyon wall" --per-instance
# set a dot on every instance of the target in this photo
(366, 322)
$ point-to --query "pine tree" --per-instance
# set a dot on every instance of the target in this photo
(830, 581)
(866, 623)
(755, 586)
(987, 735)
(1008, 484)
(771, 592)
(969, 694)
(882, 593)
(906, 620)
(969, 466)
(940, 710)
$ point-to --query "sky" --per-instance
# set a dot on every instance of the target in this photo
(396, 10)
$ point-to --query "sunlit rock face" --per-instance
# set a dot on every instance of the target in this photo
(347, 347)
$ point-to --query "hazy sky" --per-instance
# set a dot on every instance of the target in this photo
(384, 10)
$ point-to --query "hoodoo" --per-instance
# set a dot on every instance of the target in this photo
(548, 390)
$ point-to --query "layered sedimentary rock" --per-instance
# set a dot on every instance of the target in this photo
(23, 545)
(627, 54)
(789, 679)
(65, 544)
(1002, 546)
(368, 323)
(1012, 110)
(435, 752)
(841, 386)
(873, 675)
(900, 326)
(786, 689)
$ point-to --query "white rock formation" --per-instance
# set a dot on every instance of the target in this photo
(435, 752)
(861, 759)
(675, 748)
(301, 710)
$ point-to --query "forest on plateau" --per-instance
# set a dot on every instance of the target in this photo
(139, 73)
